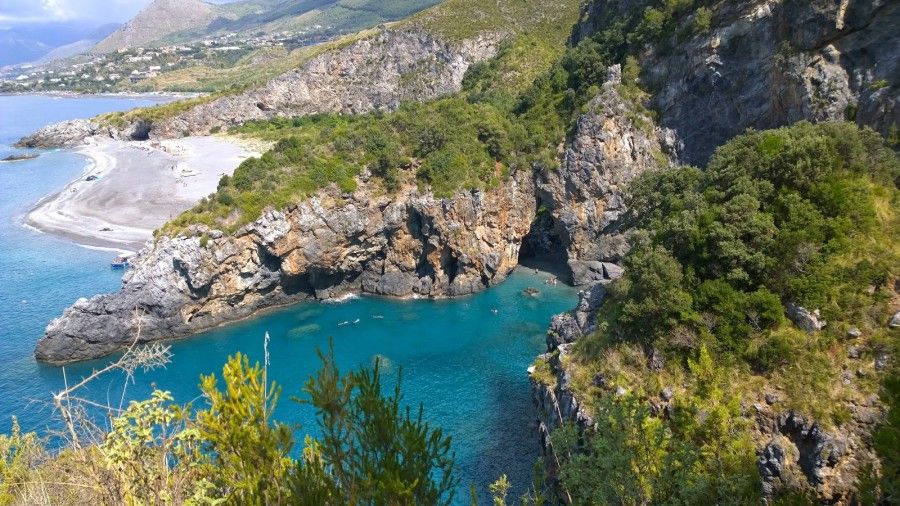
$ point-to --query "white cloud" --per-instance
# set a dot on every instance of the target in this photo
(47, 11)
(16, 12)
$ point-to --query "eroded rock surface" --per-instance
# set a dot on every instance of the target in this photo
(768, 63)
(614, 142)
(375, 73)
(409, 244)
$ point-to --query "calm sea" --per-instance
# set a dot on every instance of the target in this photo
(465, 363)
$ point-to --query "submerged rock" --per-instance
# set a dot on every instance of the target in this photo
(20, 157)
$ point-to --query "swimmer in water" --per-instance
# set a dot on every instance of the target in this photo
(494, 311)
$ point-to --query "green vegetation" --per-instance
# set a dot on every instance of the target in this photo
(463, 142)
(457, 20)
(634, 457)
(805, 214)
(372, 450)
(162, 111)
(543, 373)
(787, 215)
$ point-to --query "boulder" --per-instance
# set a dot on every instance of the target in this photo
(807, 320)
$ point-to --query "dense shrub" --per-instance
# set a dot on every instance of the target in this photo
(803, 214)
(776, 217)
(631, 456)
(372, 450)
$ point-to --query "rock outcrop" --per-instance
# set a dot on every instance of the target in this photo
(615, 141)
(793, 450)
(375, 73)
(797, 450)
(75, 132)
(556, 401)
(762, 64)
(61, 135)
(810, 321)
(769, 63)
(410, 244)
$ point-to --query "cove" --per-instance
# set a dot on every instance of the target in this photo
(459, 359)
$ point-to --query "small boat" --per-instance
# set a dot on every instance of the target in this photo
(120, 262)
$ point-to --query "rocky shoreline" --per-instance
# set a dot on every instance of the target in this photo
(401, 245)
(706, 91)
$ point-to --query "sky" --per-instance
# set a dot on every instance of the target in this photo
(24, 12)
(16, 13)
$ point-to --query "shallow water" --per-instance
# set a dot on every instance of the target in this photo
(459, 359)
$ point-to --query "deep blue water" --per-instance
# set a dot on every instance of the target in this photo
(464, 363)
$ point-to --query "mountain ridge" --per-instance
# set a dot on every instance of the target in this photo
(158, 19)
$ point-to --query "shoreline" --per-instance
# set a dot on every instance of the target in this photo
(129, 189)
(342, 297)
(173, 95)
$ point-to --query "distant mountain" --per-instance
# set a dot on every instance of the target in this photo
(172, 21)
(29, 43)
(17, 48)
(157, 20)
(80, 46)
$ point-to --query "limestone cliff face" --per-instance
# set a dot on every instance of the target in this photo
(763, 64)
(409, 244)
(376, 73)
(615, 141)
(557, 403)
(768, 63)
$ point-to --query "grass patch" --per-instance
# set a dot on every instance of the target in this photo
(542, 372)
(458, 20)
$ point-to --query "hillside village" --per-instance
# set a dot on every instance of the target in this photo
(121, 70)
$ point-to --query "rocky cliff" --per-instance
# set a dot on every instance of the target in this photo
(761, 64)
(405, 244)
(793, 449)
(375, 73)
(614, 141)
(408, 244)
(378, 72)
(767, 63)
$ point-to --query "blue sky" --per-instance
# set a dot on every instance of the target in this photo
(23, 12)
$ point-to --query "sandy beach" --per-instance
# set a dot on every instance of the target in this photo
(129, 189)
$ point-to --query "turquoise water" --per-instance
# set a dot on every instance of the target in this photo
(462, 361)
